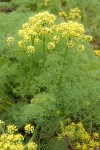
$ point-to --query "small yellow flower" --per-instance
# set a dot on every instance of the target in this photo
(20, 32)
(11, 129)
(32, 146)
(46, 2)
(36, 40)
(85, 136)
(78, 146)
(2, 123)
(96, 135)
(88, 38)
(58, 112)
(80, 48)
(84, 146)
(97, 52)
(21, 44)
(25, 25)
(31, 32)
(51, 45)
(10, 40)
(80, 125)
(27, 38)
(34, 101)
(92, 143)
(97, 144)
(87, 103)
(74, 14)
(30, 49)
(68, 120)
(70, 44)
(56, 39)
(29, 129)
(63, 14)
(62, 125)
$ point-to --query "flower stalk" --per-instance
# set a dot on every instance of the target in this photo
(43, 50)
(63, 65)
(31, 62)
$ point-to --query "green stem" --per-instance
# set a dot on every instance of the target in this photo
(2, 130)
(33, 136)
(30, 68)
(9, 85)
(43, 50)
(91, 125)
(31, 62)
(32, 40)
(63, 65)
(39, 141)
(4, 102)
(3, 107)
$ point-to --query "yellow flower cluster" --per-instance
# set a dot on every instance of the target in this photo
(82, 140)
(11, 142)
(34, 101)
(97, 52)
(58, 112)
(10, 40)
(80, 48)
(88, 38)
(36, 40)
(46, 2)
(14, 141)
(30, 49)
(42, 19)
(2, 123)
(95, 135)
(29, 129)
(70, 44)
(51, 45)
(42, 24)
(87, 103)
(71, 29)
(32, 146)
(63, 14)
(74, 14)
(11, 129)
(37, 26)
(56, 39)
(21, 43)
